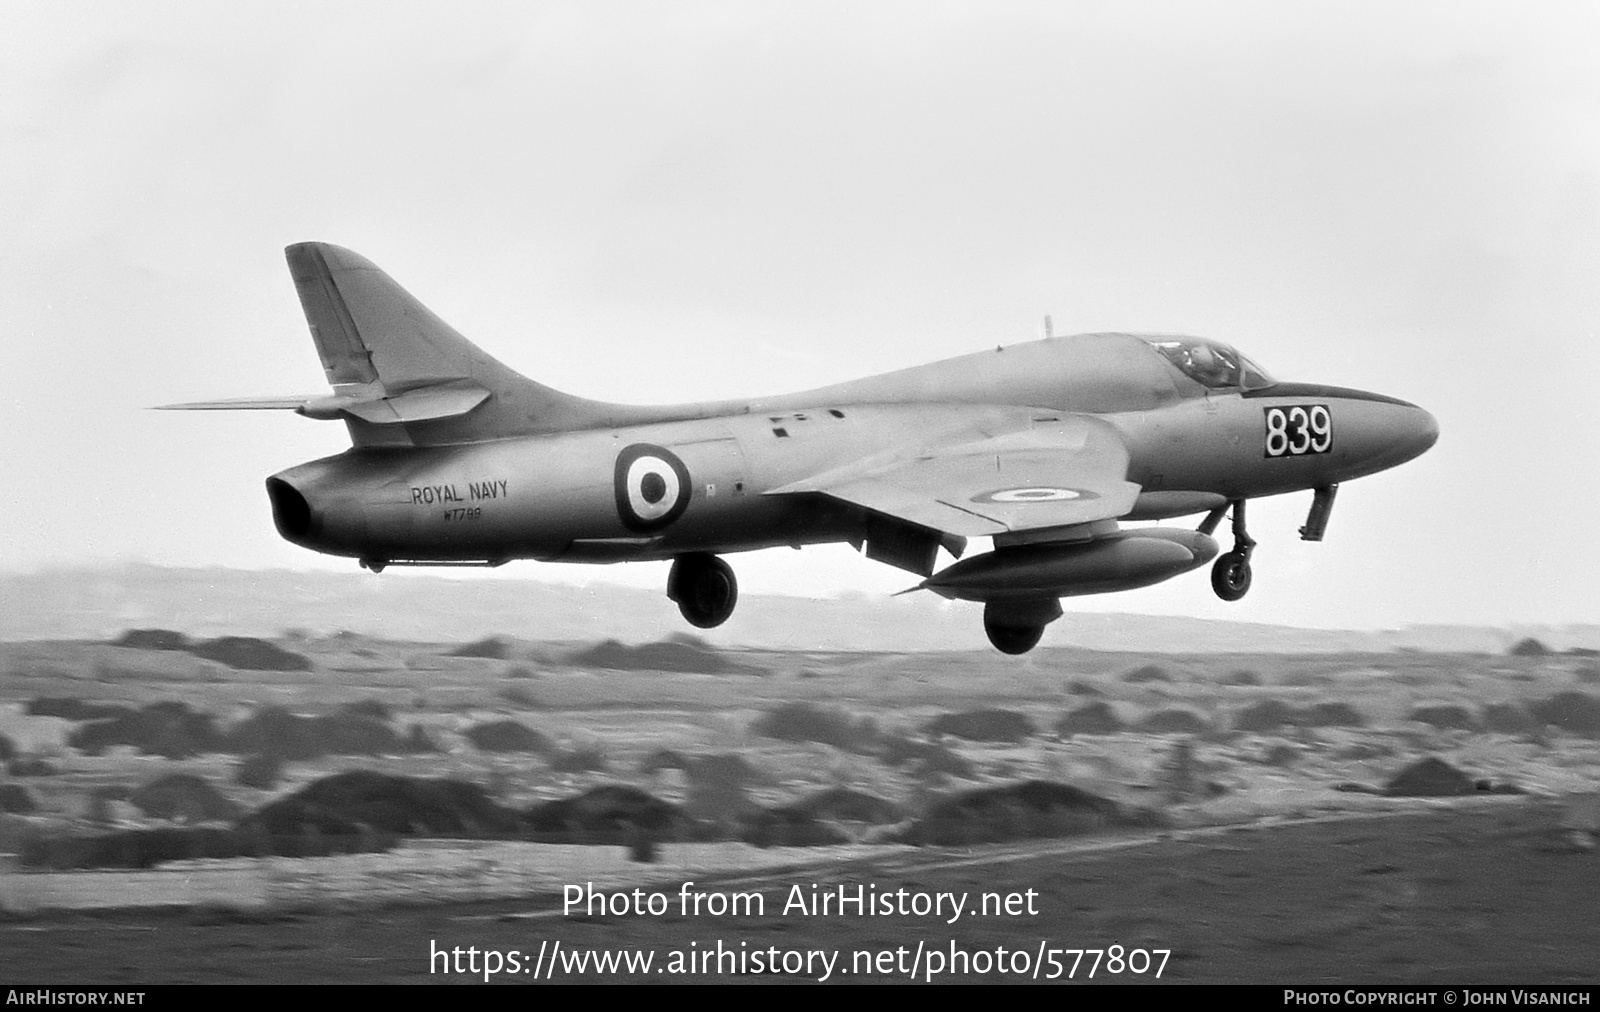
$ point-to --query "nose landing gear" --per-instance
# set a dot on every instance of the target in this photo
(704, 588)
(1230, 576)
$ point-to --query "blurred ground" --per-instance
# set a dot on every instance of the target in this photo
(1485, 890)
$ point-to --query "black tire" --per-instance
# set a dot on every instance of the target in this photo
(1230, 577)
(1014, 639)
(704, 588)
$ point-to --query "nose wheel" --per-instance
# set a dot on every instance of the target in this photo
(704, 588)
(1230, 576)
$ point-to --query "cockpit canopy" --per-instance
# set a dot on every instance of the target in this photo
(1212, 364)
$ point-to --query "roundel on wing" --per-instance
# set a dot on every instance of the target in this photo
(1033, 493)
(652, 487)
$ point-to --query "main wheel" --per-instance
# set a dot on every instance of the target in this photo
(1230, 577)
(704, 588)
(1014, 639)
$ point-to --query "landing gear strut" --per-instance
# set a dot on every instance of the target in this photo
(1230, 577)
(704, 588)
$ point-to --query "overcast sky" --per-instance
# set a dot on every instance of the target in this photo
(674, 201)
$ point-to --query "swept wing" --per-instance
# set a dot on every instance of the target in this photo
(1060, 472)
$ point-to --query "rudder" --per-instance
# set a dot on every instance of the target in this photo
(344, 357)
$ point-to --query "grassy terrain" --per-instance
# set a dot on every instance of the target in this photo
(605, 726)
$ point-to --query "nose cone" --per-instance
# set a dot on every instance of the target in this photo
(1373, 432)
(1427, 432)
(1414, 431)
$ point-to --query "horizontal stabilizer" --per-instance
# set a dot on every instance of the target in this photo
(245, 404)
(422, 405)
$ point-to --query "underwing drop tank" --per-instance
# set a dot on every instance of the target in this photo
(1122, 561)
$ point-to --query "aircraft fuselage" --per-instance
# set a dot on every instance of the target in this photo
(561, 495)
(1045, 447)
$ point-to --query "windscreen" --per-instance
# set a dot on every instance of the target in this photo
(1211, 363)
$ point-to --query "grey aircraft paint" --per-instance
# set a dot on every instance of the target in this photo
(1046, 447)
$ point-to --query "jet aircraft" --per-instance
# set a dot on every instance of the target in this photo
(1048, 448)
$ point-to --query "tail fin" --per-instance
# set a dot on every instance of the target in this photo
(370, 330)
(401, 375)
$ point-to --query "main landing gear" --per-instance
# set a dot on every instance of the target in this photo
(1015, 627)
(1010, 639)
(1230, 576)
(704, 588)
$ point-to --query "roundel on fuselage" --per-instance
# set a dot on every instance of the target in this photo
(652, 487)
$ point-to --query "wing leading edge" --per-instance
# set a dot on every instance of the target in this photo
(1057, 473)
